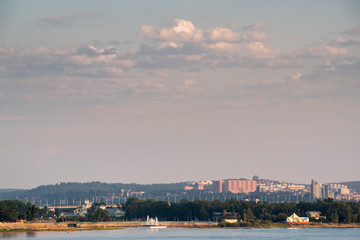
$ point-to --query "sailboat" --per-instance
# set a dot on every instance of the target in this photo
(153, 223)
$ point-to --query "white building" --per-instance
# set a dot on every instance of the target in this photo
(296, 219)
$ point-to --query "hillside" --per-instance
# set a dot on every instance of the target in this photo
(8, 190)
(75, 190)
(354, 185)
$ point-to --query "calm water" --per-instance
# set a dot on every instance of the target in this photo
(198, 234)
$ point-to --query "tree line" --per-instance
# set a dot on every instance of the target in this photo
(77, 191)
(12, 210)
(198, 210)
(15, 210)
(202, 210)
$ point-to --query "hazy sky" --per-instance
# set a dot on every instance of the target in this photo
(166, 91)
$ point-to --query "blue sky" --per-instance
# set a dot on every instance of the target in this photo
(165, 91)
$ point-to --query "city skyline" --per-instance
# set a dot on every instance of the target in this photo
(242, 189)
(160, 91)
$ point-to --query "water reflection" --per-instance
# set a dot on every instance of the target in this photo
(30, 234)
(18, 235)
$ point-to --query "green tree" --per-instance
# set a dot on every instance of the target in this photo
(31, 212)
(11, 210)
(334, 218)
(57, 212)
(248, 215)
(8, 213)
(96, 214)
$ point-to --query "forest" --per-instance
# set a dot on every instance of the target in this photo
(198, 210)
(333, 211)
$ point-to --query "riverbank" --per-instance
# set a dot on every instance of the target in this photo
(29, 227)
(26, 226)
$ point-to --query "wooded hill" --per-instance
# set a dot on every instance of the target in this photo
(88, 190)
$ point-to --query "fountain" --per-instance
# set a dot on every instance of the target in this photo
(153, 223)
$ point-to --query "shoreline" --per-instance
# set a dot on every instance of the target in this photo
(89, 226)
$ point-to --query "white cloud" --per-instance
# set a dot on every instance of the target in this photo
(255, 36)
(182, 30)
(223, 34)
(347, 42)
(296, 77)
(168, 44)
(223, 47)
(259, 50)
(324, 50)
(147, 31)
(185, 31)
(92, 51)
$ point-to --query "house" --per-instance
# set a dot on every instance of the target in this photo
(227, 220)
(314, 214)
(296, 219)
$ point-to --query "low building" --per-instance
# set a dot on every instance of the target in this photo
(227, 220)
(296, 219)
(313, 214)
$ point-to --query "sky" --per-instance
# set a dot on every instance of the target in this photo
(165, 91)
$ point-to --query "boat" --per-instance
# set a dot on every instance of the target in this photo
(153, 223)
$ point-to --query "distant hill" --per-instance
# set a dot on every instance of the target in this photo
(7, 190)
(75, 190)
(354, 185)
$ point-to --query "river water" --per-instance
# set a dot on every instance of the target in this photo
(197, 234)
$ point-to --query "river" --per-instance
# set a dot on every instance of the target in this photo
(197, 234)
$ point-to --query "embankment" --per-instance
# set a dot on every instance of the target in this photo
(26, 226)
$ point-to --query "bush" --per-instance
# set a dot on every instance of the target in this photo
(227, 224)
(246, 224)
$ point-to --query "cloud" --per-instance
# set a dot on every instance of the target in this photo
(321, 50)
(181, 47)
(188, 85)
(346, 42)
(352, 31)
(112, 71)
(185, 31)
(328, 50)
(91, 51)
(56, 20)
(255, 36)
(254, 27)
(295, 77)
(147, 31)
(156, 73)
(63, 20)
(259, 50)
(182, 30)
(223, 34)
(184, 45)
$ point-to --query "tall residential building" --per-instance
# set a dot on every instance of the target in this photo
(239, 186)
(315, 190)
(325, 191)
(234, 186)
(199, 185)
(218, 186)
